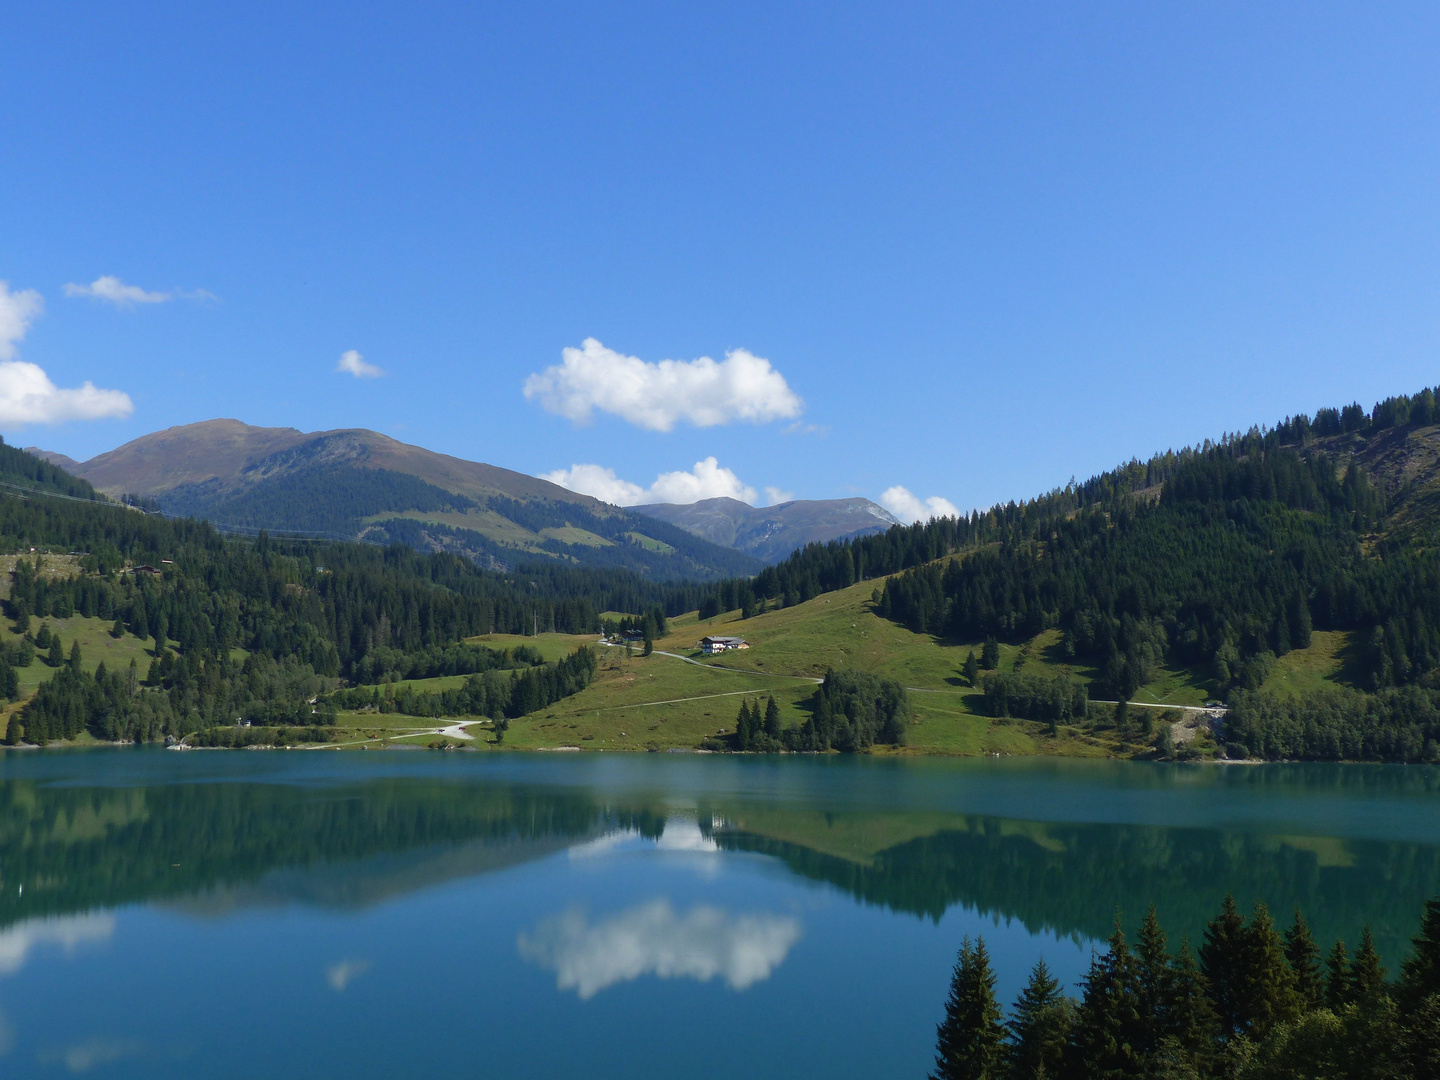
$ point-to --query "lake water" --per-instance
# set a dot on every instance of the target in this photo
(384, 914)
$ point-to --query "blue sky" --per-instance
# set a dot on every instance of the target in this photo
(970, 250)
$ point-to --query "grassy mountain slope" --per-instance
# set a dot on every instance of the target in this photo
(357, 483)
(772, 532)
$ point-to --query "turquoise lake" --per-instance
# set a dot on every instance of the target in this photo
(310, 914)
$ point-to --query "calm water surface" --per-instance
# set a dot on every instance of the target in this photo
(314, 914)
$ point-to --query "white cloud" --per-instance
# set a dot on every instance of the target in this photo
(117, 292)
(910, 508)
(352, 363)
(653, 940)
(93, 1052)
(707, 480)
(27, 396)
(657, 396)
(776, 495)
(342, 974)
(17, 311)
(67, 931)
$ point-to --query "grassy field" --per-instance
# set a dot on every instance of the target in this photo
(96, 645)
(1324, 666)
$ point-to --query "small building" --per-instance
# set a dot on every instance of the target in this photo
(146, 569)
(632, 635)
(710, 646)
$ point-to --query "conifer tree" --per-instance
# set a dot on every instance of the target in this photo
(990, 654)
(1337, 978)
(1221, 960)
(1420, 973)
(1107, 1023)
(1193, 1023)
(56, 656)
(772, 719)
(75, 655)
(969, 1039)
(1303, 956)
(971, 670)
(118, 630)
(1367, 974)
(1039, 1028)
(1152, 985)
(1268, 993)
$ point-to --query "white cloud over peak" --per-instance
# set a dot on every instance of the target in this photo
(352, 363)
(17, 311)
(910, 508)
(652, 939)
(657, 396)
(707, 480)
(27, 396)
(776, 495)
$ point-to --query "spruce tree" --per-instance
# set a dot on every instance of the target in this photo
(742, 727)
(56, 656)
(990, 654)
(772, 719)
(971, 670)
(75, 655)
(1337, 978)
(1267, 985)
(1420, 974)
(1367, 974)
(1222, 958)
(1152, 985)
(1303, 955)
(1193, 1024)
(118, 630)
(1039, 1028)
(1107, 1023)
(968, 1041)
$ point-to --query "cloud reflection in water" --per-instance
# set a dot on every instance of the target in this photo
(653, 940)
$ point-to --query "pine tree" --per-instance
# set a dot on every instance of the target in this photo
(1221, 961)
(75, 655)
(1039, 1028)
(1303, 955)
(1337, 978)
(971, 670)
(1367, 974)
(1193, 1023)
(1152, 985)
(968, 1040)
(118, 630)
(1107, 1024)
(743, 732)
(990, 654)
(1267, 984)
(56, 656)
(1420, 974)
(772, 719)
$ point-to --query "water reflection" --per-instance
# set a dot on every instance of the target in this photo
(1014, 842)
(652, 939)
(68, 932)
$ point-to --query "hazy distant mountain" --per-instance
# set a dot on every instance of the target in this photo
(69, 464)
(772, 532)
(358, 483)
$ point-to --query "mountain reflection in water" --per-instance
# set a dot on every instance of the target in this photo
(352, 841)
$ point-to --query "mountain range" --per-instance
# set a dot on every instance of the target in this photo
(358, 484)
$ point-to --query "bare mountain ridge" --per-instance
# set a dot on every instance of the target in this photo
(772, 532)
(357, 483)
(230, 454)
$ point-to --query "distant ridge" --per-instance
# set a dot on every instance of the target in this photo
(353, 482)
(772, 532)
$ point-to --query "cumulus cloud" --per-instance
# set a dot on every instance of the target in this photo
(910, 508)
(67, 931)
(17, 311)
(701, 392)
(352, 363)
(342, 974)
(27, 396)
(777, 495)
(707, 480)
(652, 939)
